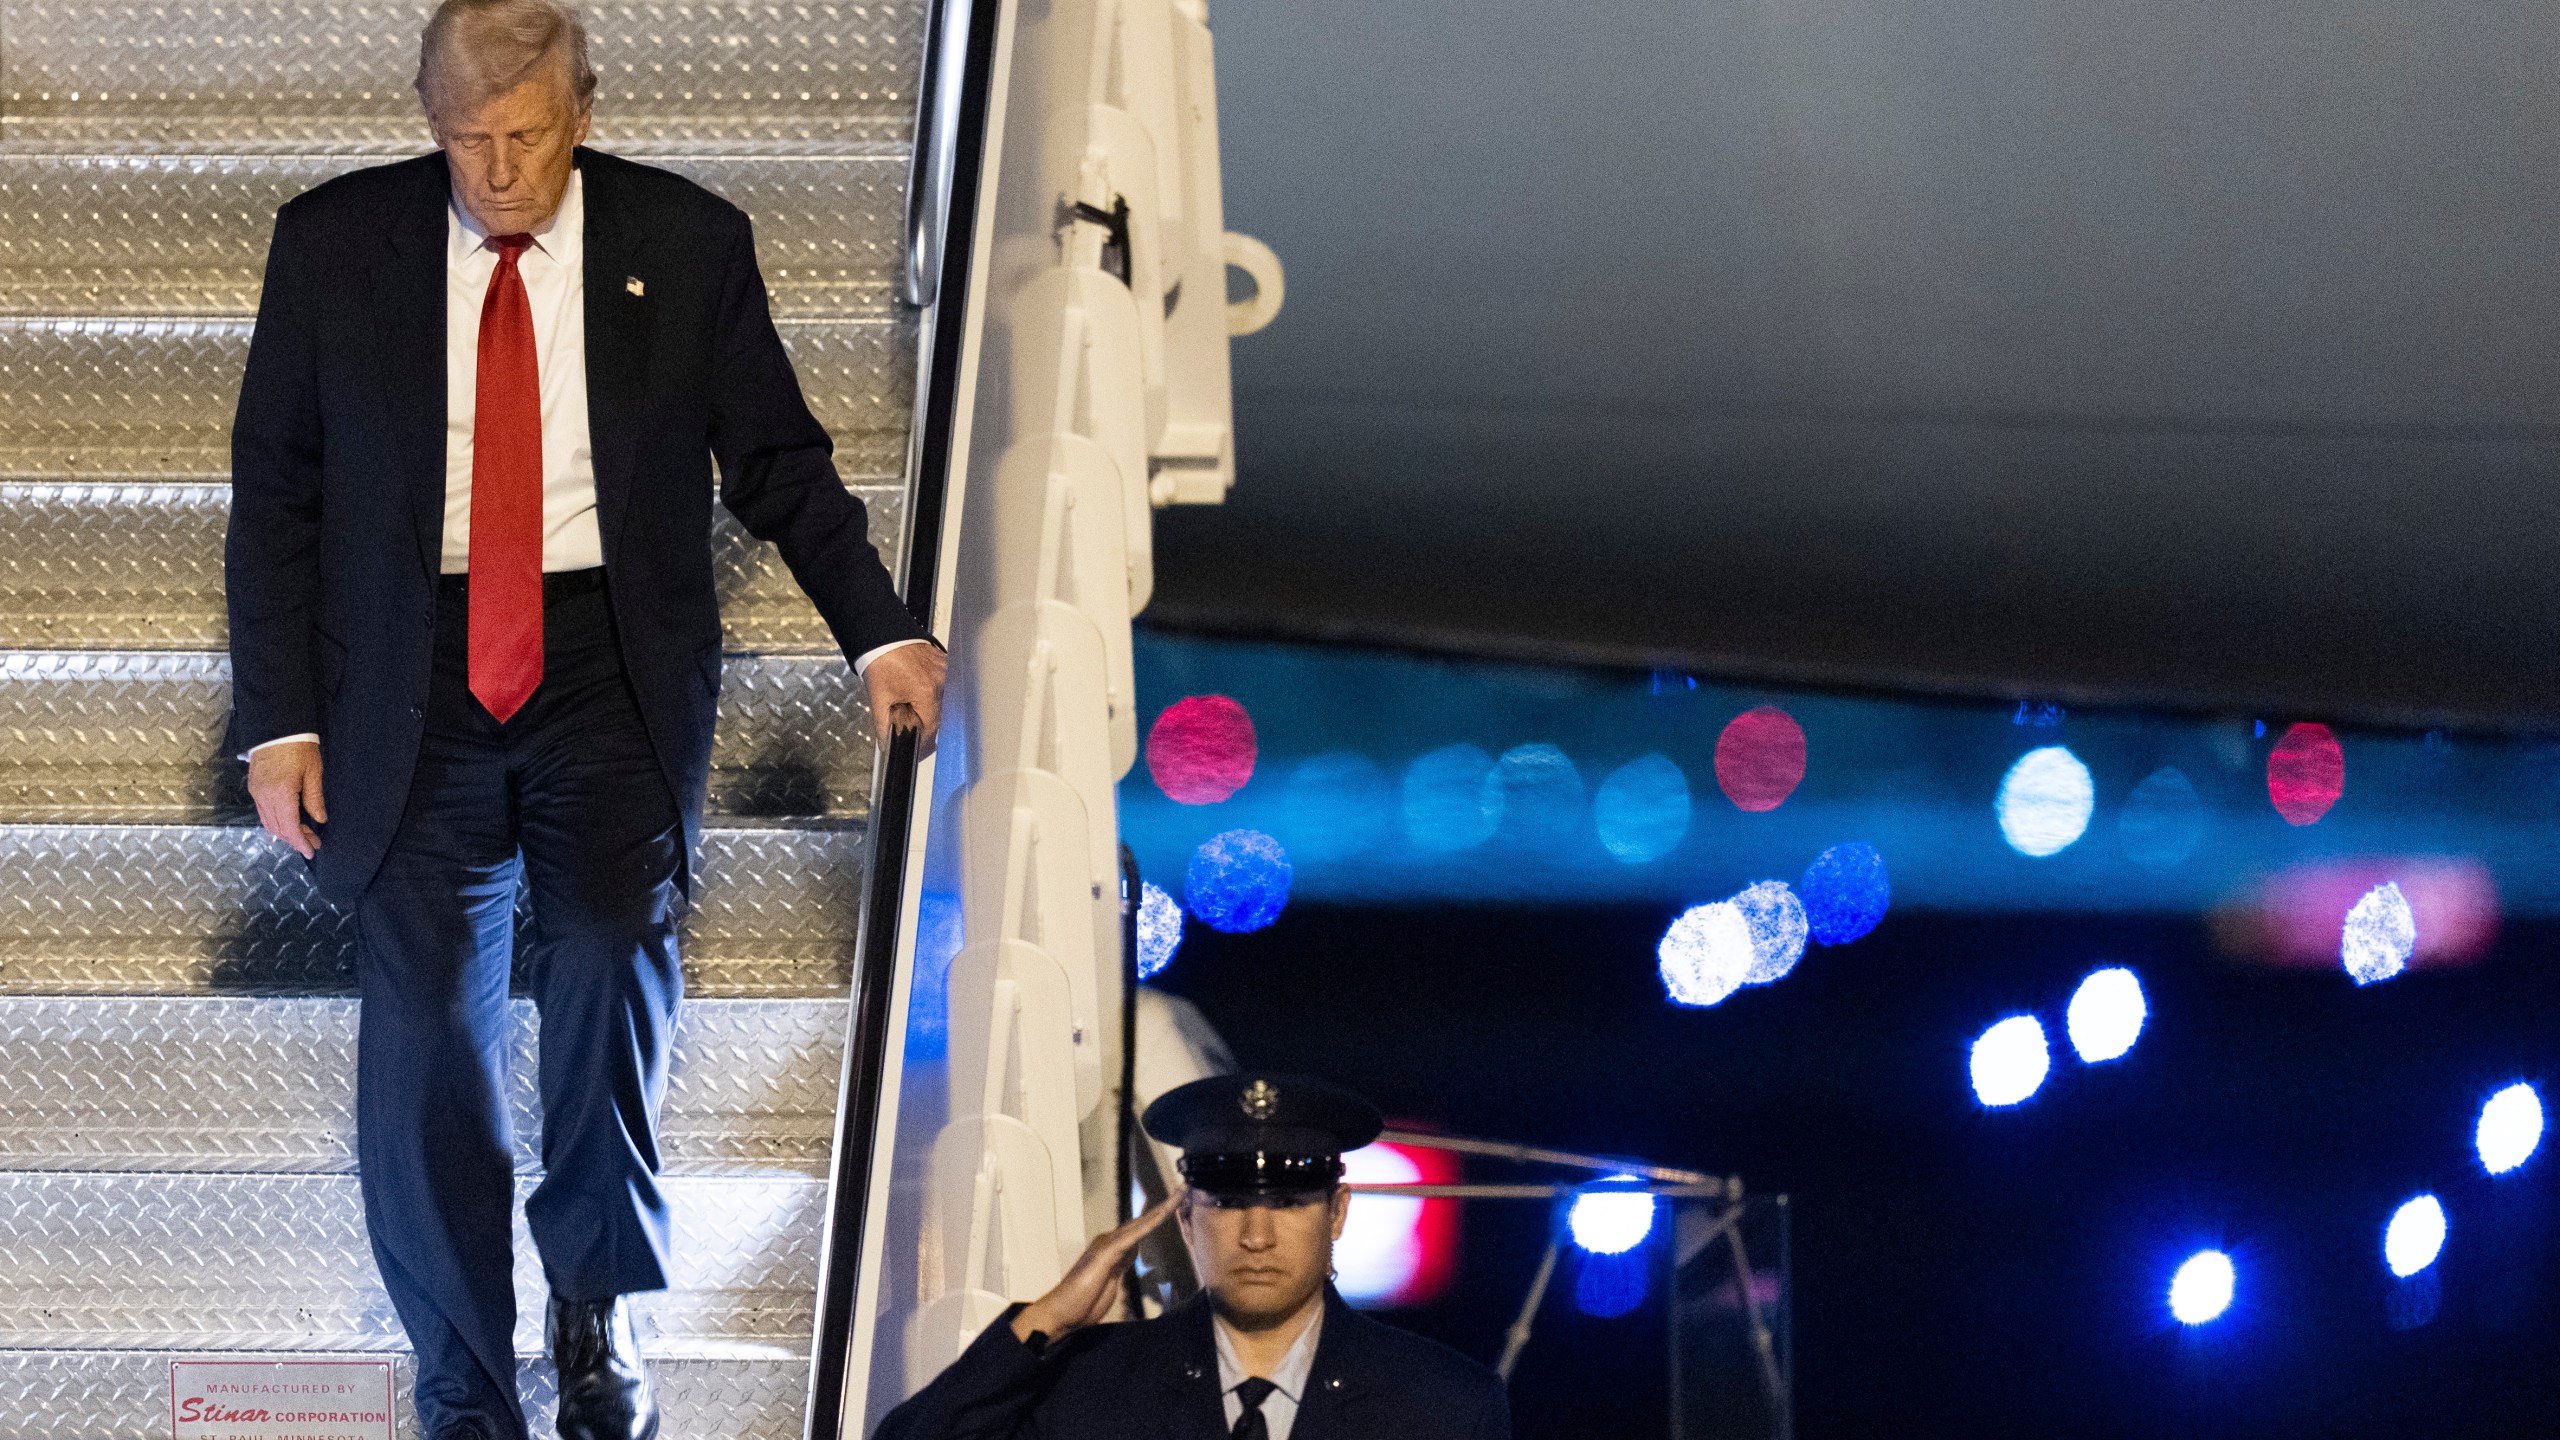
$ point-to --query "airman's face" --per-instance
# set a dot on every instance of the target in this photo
(510, 159)
(1262, 1263)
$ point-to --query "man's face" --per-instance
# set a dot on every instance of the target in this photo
(510, 159)
(1262, 1263)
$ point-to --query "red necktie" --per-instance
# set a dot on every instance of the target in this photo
(506, 494)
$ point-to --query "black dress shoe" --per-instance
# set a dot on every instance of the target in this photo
(604, 1389)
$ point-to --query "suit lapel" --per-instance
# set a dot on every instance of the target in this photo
(1195, 1403)
(618, 333)
(407, 281)
(1333, 1383)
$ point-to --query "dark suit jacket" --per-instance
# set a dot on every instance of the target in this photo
(338, 465)
(1158, 1380)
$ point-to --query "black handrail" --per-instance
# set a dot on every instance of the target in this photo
(894, 806)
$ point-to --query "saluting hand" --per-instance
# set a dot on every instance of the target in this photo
(905, 686)
(1085, 1294)
(285, 781)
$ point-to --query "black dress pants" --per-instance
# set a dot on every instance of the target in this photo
(567, 800)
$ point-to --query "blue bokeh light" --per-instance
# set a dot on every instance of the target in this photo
(2162, 821)
(1607, 1221)
(2202, 1288)
(2510, 1128)
(1237, 881)
(1612, 1285)
(2045, 802)
(2010, 1061)
(2106, 1014)
(2415, 1236)
(1642, 809)
(1159, 930)
(1336, 805)
(1845, 892)
(1449, 802)
(1540, 799)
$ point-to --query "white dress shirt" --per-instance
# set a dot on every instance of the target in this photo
(1288, 1378)
(554, 271)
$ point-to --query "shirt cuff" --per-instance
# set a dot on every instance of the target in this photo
(863, 661)
(289, 739)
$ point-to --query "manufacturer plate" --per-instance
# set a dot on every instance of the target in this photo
(280, 1400)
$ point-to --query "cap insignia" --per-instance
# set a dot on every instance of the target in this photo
(1260, 1100)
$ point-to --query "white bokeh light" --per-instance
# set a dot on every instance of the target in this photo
(2201, 1290)
(1705, 954)
(2381, 934)
(2415, 1236)
(2510, 1128)
(1380, 1251)
(1779, 930)
(1610, 1224)
(2045, 802)
(2106, 1015)
(2010, 1061)
(1159, 929)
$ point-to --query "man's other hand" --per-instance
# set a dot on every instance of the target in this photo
(285, 781)
(906, 693)
(1088, 1292)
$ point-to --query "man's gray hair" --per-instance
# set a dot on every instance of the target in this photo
(474, 51)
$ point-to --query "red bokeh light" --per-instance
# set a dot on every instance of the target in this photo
(1201, 749)
(1403, 1252)
(1760, 758)
(2306, 773)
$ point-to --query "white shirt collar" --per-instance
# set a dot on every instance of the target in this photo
(558, 240)
(1289, 1377)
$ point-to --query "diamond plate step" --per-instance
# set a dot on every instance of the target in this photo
(133, 565)
(151, 909)
(221, 1084)
(128, 397)
(336, 74)
(160, 234)
(121, 1394)
(280, 1262)
(127, 735)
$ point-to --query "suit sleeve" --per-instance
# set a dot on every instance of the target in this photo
(777, 474)
(271, 555)
(989, 1393)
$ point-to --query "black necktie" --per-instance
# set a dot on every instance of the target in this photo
(1249, 1424)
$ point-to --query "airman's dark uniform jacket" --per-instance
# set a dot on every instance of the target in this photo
(1158, 1380)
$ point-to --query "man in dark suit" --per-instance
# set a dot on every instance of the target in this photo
(469, 563)
(1267, 1351)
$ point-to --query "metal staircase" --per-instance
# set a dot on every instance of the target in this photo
(177, 1027)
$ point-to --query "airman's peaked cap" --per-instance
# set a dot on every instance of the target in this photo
(1262, 1132)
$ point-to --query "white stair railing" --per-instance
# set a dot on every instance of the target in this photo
(1101, 392)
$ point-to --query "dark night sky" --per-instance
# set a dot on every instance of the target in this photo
(1963, 1271)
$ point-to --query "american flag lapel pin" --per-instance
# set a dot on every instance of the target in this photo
(632, 284)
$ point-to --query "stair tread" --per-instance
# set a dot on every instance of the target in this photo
(209, 1084)
(158, 1261)
(118, 1394)
(160, 234)
(136, 562)
(135, 735)
(337, 72)
(180, 909)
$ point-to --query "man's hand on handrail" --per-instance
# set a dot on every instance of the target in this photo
(905, 686)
